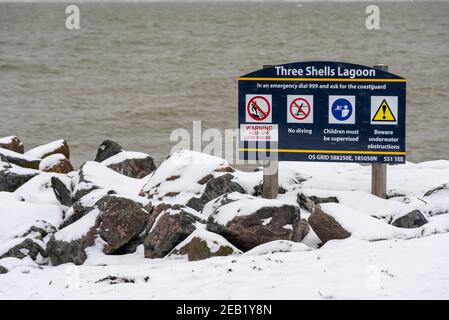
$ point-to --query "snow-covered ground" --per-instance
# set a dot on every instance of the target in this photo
(345, 269)
(378, 260)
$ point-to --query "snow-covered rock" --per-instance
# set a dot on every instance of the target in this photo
(12, 176)
(250, 221)
(326, 226)
(131, 164)
(277, 246)
(22, 160)
(413, 219)
(54, 147)
(333, 218)
(57, 163)
(12, 143)
(309, 202)
(107, 149)
(111, 224)
(202, 244)
(182, 176)
(168, 226)
(219, 186)
(94, 175)
(39, 189)
(26, 227)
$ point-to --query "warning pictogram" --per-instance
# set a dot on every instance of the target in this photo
(299, 109)
(258, 108)
(384, 110)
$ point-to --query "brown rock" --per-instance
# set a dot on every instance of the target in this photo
(12, 143)
(121, 220)
(325, 226)
(168, 226)
(202, 245)
(264, 225)
(56, 163)
(43, 151)
(130, 165)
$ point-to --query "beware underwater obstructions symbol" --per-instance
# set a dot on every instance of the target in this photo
(384, 110)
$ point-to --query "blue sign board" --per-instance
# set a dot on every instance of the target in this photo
(322, 111)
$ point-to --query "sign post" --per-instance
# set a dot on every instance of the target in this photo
(322, 111)
(379, 170)
(270, 185)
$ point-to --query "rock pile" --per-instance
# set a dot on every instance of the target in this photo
(193, 205)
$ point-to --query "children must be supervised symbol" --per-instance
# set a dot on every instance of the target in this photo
(342, 109)
(300, 109)
(258, 108)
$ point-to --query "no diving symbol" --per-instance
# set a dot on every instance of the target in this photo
(300, 108)
(258, 108)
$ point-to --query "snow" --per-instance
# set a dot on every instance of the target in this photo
(244, 206)
(39, 190)
(13, 154)
(124, 155)
(347, 269)
(8, 140)
(277, 246)
(79, 228)
(41, 151)
(50, 161)
(183, 170)
(17, 217)
(98, 174)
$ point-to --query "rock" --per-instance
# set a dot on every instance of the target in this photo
(62, 191)
(95, 176)
(202, 244)
(250, 221)
(258, 190)
(302, 230)
(61, 252)
(131, 164)
(26, 248)
(82, 207)
(182, 177)
(39, 232)
(439, 189)
(43, 151)
(194, 203)
(113, 223)
(120, 221)
(21, 160)
(107, 149)
(413, 219)
(218, 186)
(57, 163)
(325, 226)
(309, 202)
(13, 177)
(168, 226)
(3, 270)
(12, 143)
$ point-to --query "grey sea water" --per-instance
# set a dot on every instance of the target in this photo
(136, 71)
